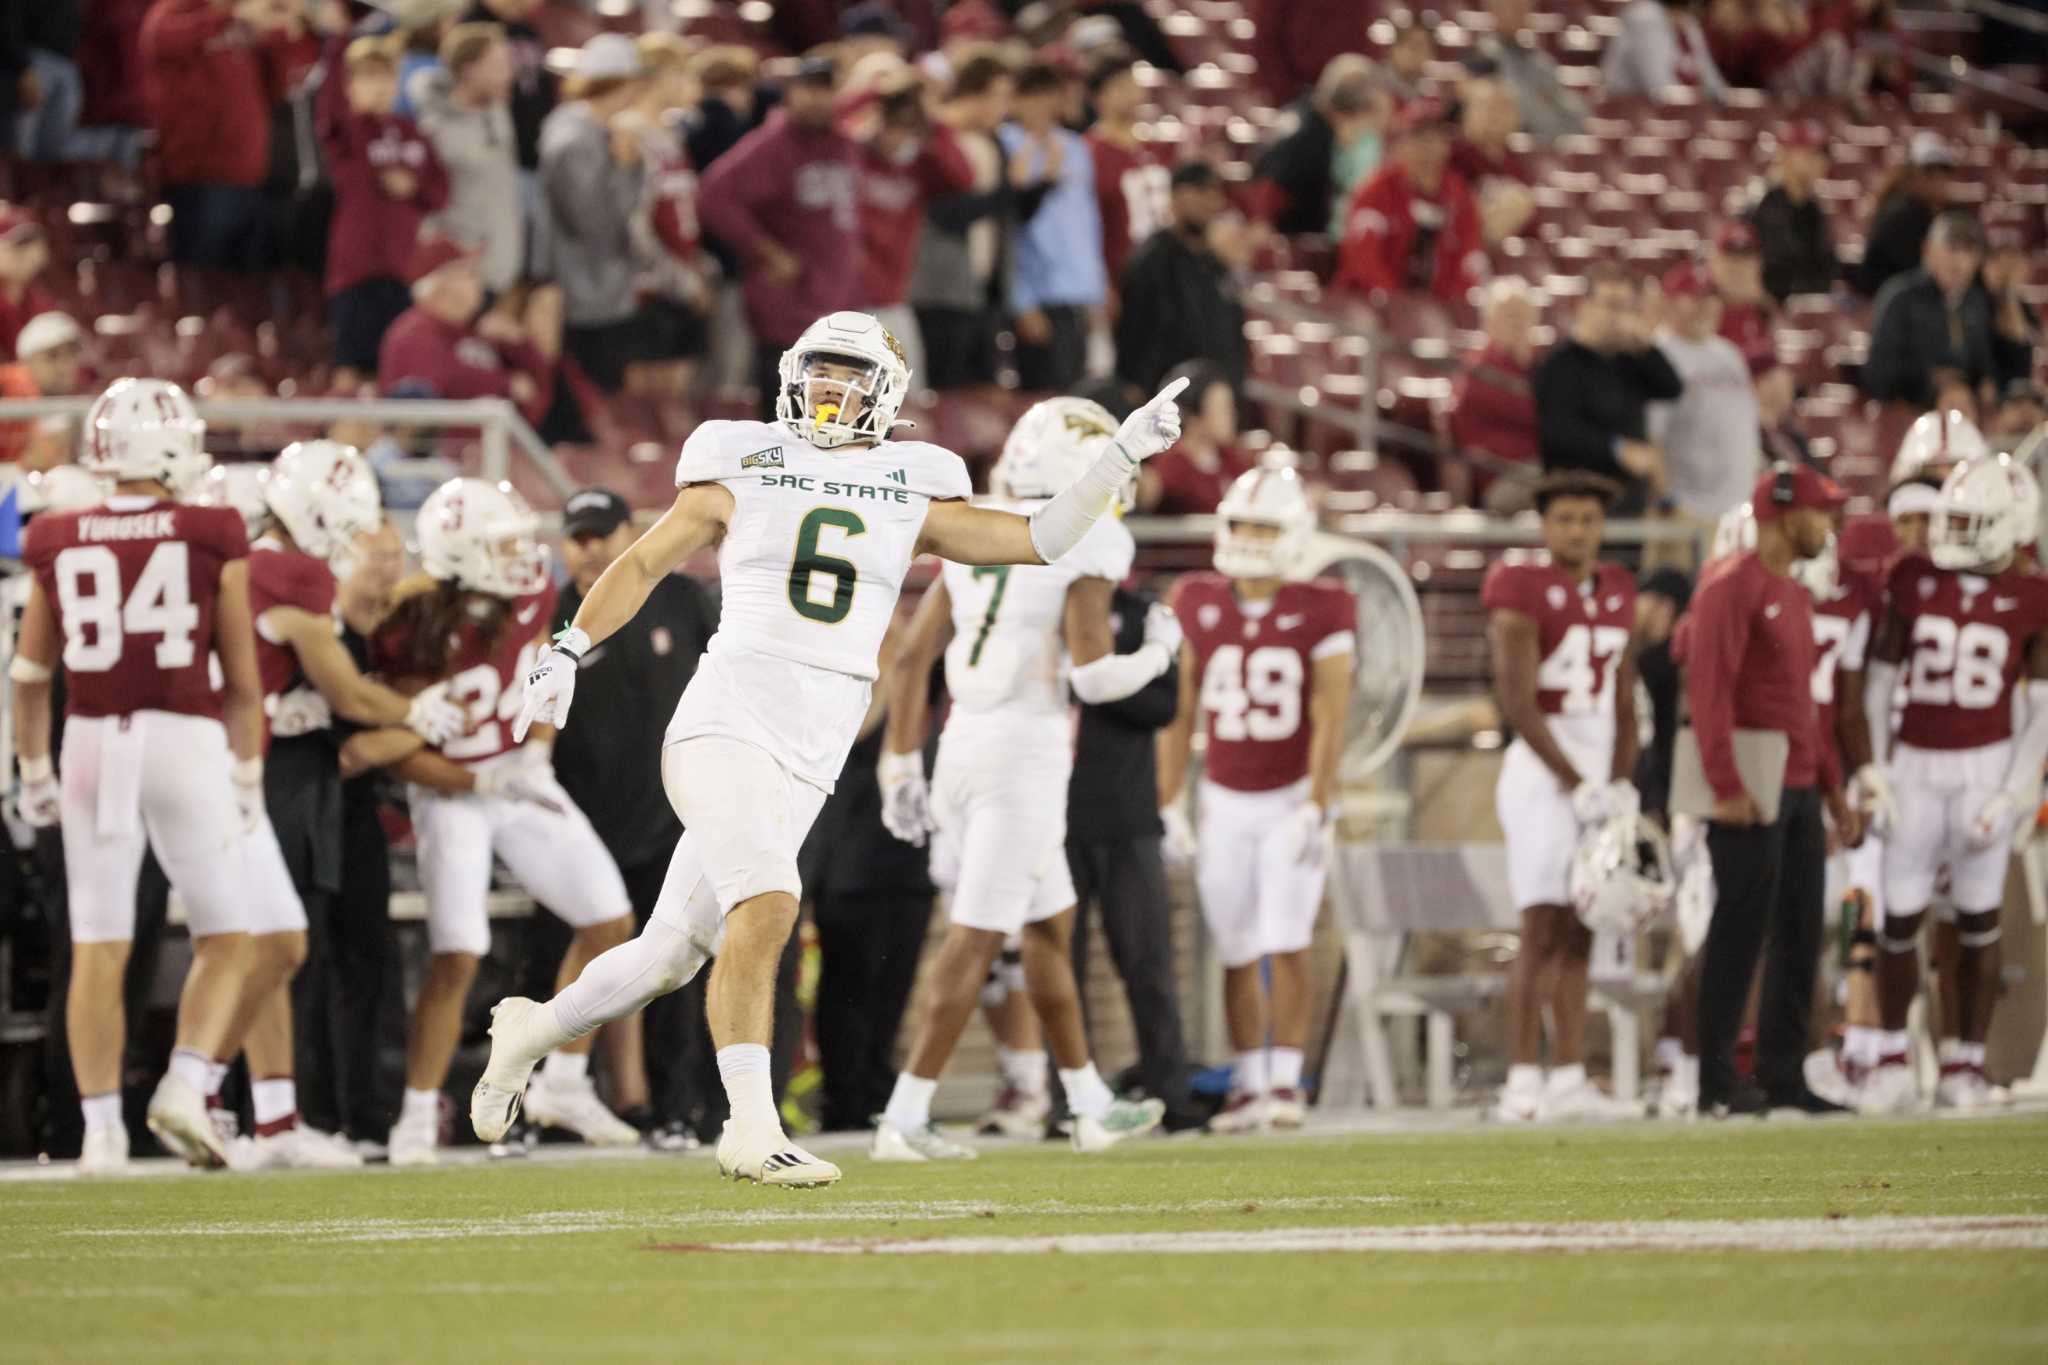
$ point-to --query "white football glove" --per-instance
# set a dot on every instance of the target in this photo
(301, 711)
(1311, 825)
(1590, 802)
(1623, 801)
(530, 777)
(551, 686)
(1870, 791)
(1154, 427)
(41, 802)
(434, 718)
(1996, 820)
(248, 783)
(1177, 845)
(906, 798)
(1162, 628)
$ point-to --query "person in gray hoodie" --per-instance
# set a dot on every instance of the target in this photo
(465, 111)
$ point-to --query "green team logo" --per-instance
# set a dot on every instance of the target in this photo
(809, 564)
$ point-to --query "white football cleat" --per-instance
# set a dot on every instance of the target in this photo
(1890, 1089)
(1123, 1119)
(297, 1148)
(1962, 1087)
(1826, 1078)
(1518, 1106)
(1017, 1114)
(919, 1144)
(1584, 1100)
(178, 1117)
(771, 1159)
(415, 1141)
(105, 1152)
(1286, 1109)
(515, 1051)
(1243, 1112)
(574, 1107)
(1678, 1100)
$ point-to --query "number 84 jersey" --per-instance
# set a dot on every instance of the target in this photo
(1255, 670)
(1966, 641)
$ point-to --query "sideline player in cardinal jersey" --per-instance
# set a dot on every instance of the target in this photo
(318, 499)
(817, 517)
(1274, 658)
(136, 594)
(1565, 679)
(478, 626)
(1965, 622)
(998, 800)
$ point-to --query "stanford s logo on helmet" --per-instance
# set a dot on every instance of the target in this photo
(1987, 508)
(145, 430)
(1274, 497)
(325, 494)
(484, 537)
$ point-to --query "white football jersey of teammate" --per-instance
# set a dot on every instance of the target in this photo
(810, 568)
(1008, 656)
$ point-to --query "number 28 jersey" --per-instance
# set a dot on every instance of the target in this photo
(134, 586)
(1256, 670)
(1966, 642)
(1582, 630)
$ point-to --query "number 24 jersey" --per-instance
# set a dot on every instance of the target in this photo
(1966, 644)
(1256, 671)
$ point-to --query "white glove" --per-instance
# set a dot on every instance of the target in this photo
(1177, 846)
(1623, 801)
(1162, 628)
(1153, 427)
(301, 711)
(1589, 802)
(1996, 820)
(434, 718)
(1870, 791)
(248, 783)
(906, 799)
(1311, 823)
(551, 685)
(42, 800)
(529, 778)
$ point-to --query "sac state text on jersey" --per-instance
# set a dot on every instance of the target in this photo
(1256, 673)
(1582, 630)
(1966, 642)
(487, 680)
(134, 586)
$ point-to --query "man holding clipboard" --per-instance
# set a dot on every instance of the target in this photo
(1749, 652)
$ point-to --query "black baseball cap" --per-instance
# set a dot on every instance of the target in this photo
(1668, 582)
(1195, 174)
(594, 512)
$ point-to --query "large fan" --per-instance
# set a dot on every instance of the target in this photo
(1387, 683)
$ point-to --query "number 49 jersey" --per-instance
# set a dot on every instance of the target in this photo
(1256, 673)
(134, 586)
(1582, 630)
(1966, 642)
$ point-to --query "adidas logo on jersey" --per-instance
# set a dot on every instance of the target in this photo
(763, 459)
(898, 476)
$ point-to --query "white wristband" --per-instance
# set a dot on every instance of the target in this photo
(574, 643)
(28, 672)
(895, 768)
(37, 769)
(248, 772)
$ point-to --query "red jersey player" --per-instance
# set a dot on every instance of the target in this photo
(479, 628)
(1564, 675)
(136, 595)
(1267, 668)
(1966, 621)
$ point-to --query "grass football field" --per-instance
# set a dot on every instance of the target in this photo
(1748, 1242)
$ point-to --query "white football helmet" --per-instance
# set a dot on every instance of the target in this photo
(1051, 446)
(1988, 508)
(325, 494)
(237, 484)
(146, 429)
(1264, 497)
(63, 488)
(1621, 876)
(1936, 442)
(850, 339)
(483, 536)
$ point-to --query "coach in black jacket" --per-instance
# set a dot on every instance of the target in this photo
(1592, 390)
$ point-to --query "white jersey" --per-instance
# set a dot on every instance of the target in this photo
(810, 569)
(1008, 657)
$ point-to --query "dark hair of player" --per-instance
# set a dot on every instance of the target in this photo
(1574, 483)
(430, 621)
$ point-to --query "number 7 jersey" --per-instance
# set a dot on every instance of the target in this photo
(1966, 644)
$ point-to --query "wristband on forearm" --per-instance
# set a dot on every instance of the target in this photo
(1058, 526)
(573, 642)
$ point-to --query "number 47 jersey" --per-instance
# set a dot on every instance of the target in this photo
(1966, 643)
(1581, 633)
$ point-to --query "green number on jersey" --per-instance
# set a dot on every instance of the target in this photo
(995, 604)
(808, 562)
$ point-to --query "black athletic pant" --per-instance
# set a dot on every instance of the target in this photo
(348, 999)
(868, 948)
(1127, 879)
(1769, 885)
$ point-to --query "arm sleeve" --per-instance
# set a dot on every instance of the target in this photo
(1115, 677)
(1720, 635)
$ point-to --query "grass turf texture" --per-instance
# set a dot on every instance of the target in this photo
(560, 1260)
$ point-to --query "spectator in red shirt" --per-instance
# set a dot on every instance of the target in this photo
(1414, 224)
(52, 352)
(386, 181)
(435, 348)
(1131, 177)
(1191, 478)
(1499, 177)
(1735, 263)
(24, 251)
(1493, 403)
(214, 70)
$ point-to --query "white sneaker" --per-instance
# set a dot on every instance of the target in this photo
(1962, 1087)
(494, 1104)
(1583, 1100)
(369, 1149)
(1678, 1100)
(297, 1148)
(771, 1159)
(1286, 1109)
(573, 1105)
(1825, 1077)
(226, 1122)
(1243, 1112)
(178, 1117)
(1891, 1089)
(105, 1152)
(1123, 1119)
(1016, 1114)
(917, 1144)
(415, 1140)
(1518, 1106)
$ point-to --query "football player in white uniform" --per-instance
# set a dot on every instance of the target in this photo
(996, 808)
(816, 517)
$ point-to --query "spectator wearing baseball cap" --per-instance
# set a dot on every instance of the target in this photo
(24, 251)
(1710, 433)
(438, 348)
(1931, 328)
(1414, 225)
(50, 353)
(1907, 199)
(1792, 228)
(1180, 300)
(1749, 316)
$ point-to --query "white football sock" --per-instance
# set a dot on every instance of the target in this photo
(749, 1089)
(1525, 1078)
(1087, 1096)
(910, 1103)
(621, 980)
(102, 1111)
(566, 1066)
(1564, 1078)
(1893, 1043)
(1970, 1054)
(420, 1106)
(1283, 1068)
(1687, 1073)
(1248, 1072)
(276, 1100)
(1669, 1050)
(216, 1076)
(1945, 1051)
(190, 1067)
(1860, 1044)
